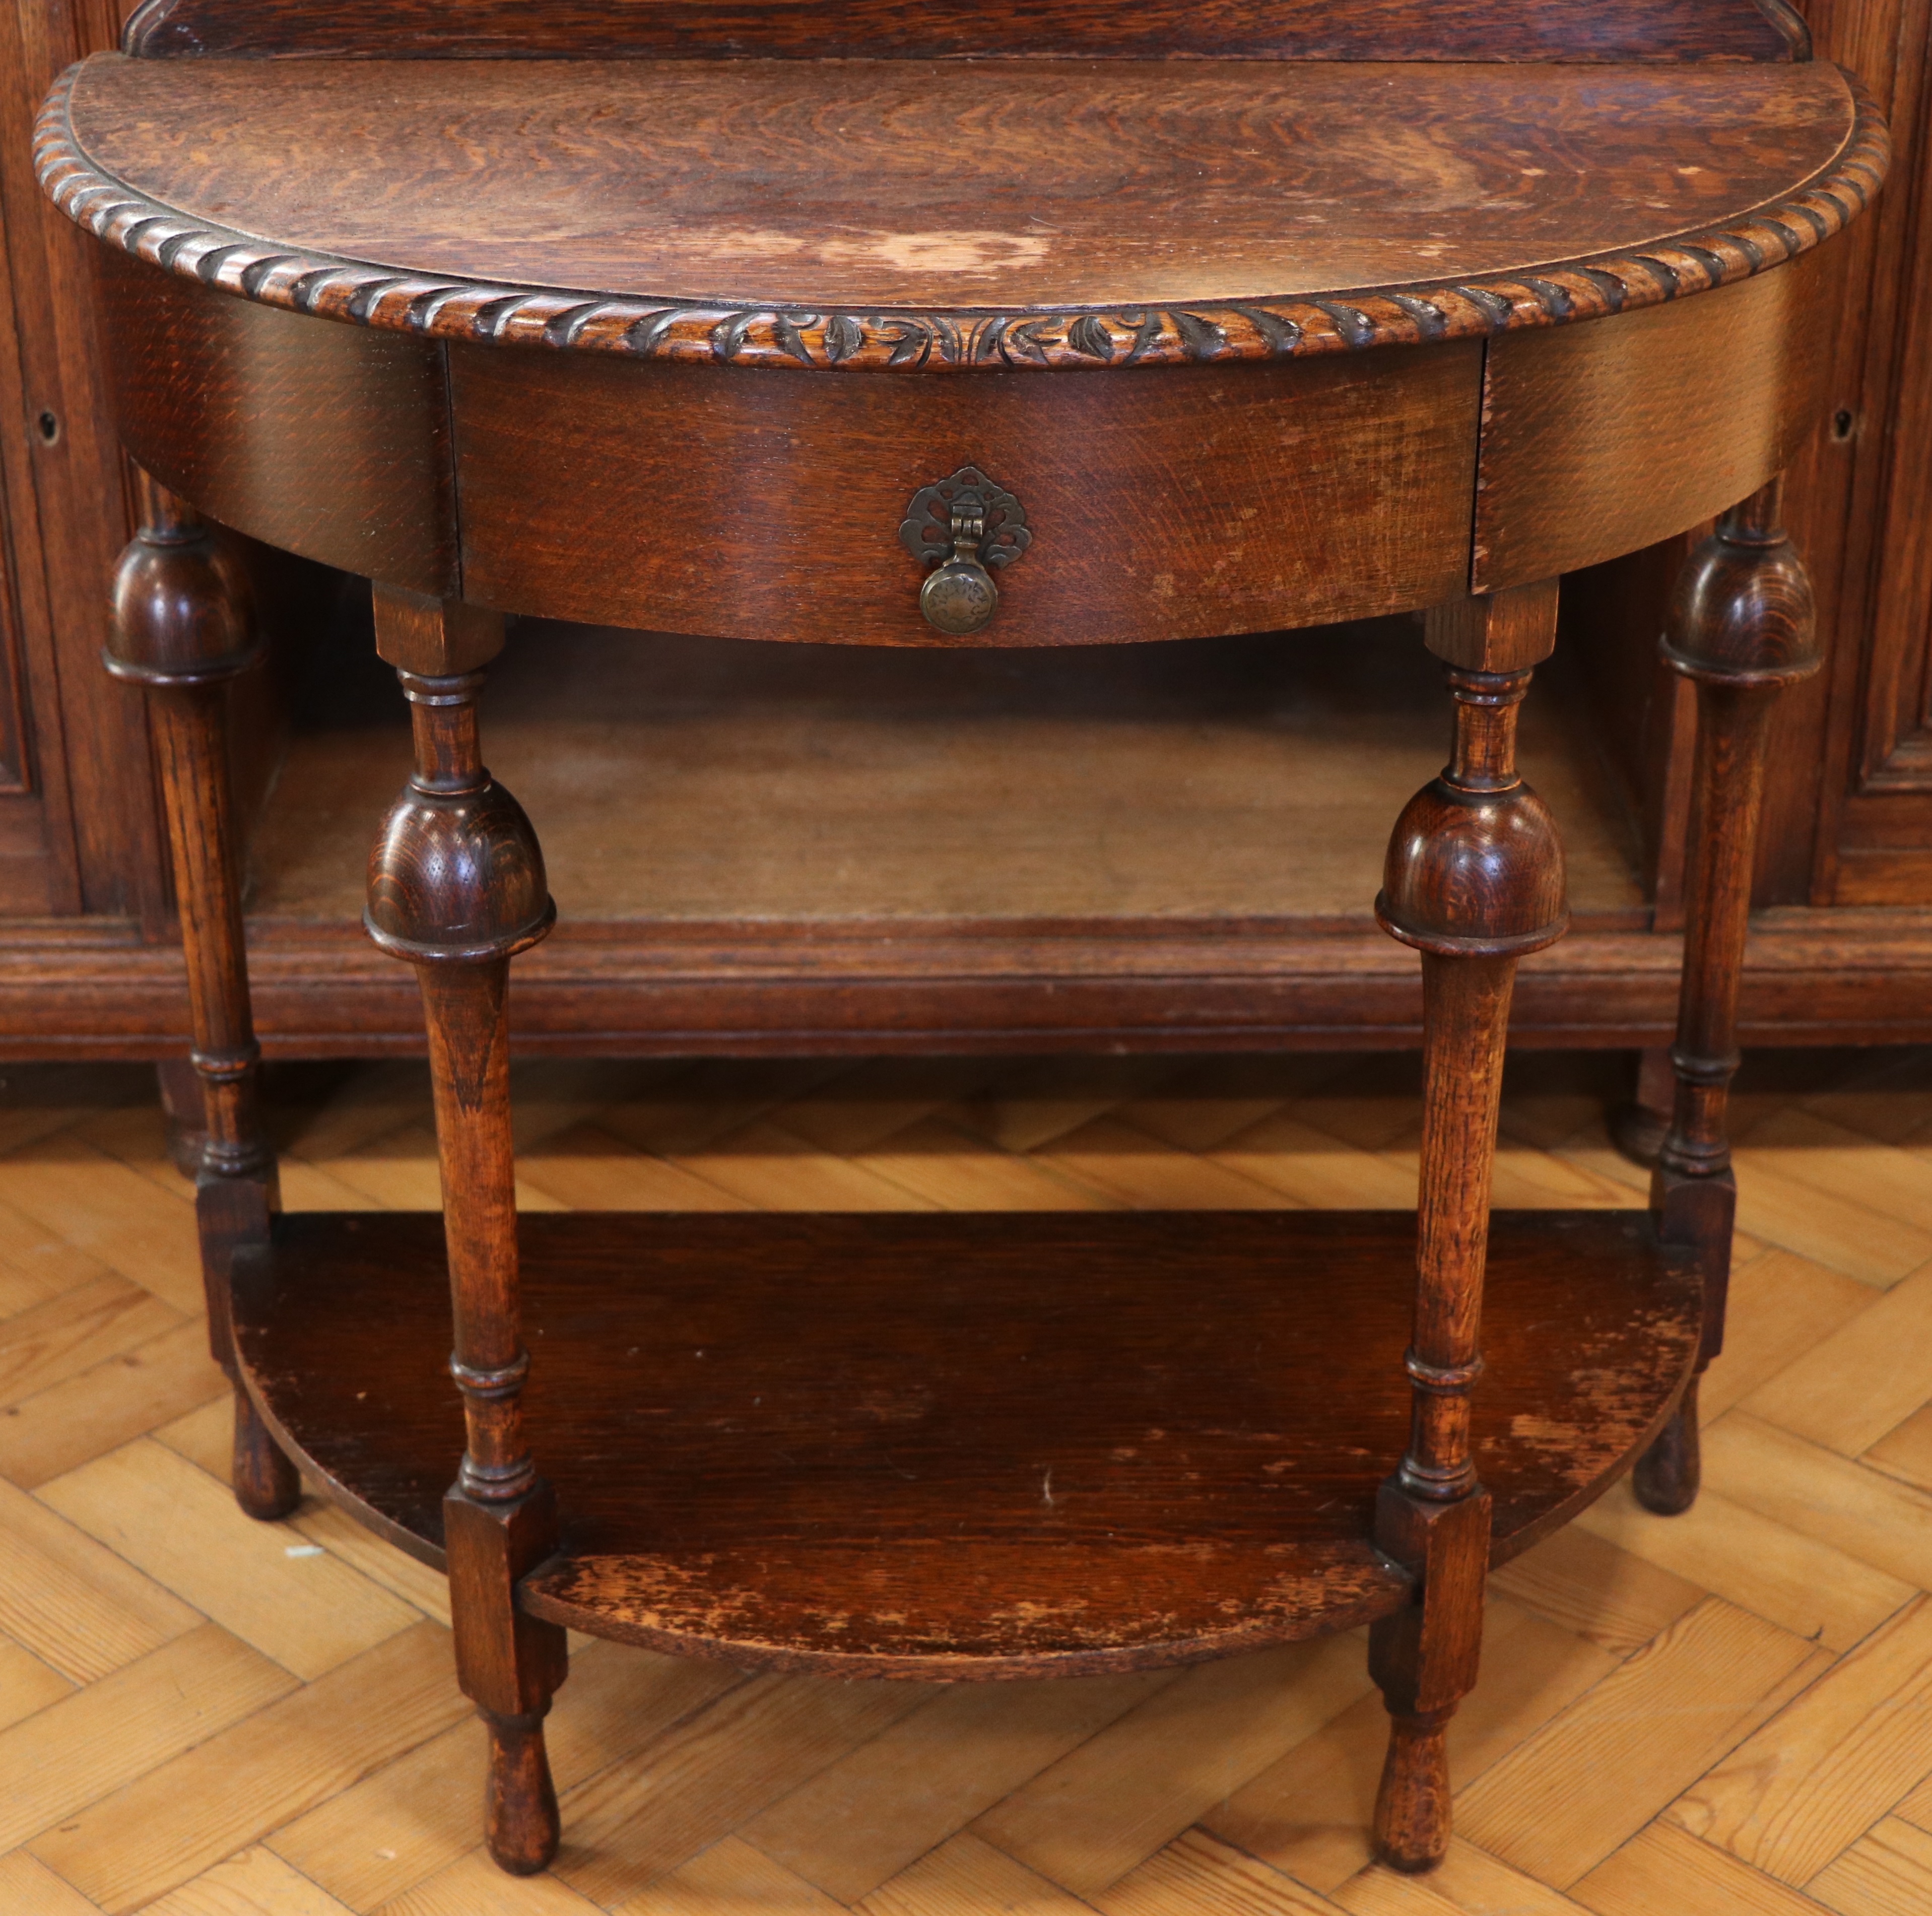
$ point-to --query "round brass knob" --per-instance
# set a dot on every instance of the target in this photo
(959, 598)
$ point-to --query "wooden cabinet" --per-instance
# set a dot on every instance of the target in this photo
(1874, 834)
(1847, 840)
(1192, 867)
(78, 843)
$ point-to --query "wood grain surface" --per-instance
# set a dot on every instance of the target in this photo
(1742, 629)
(1061, 183)
(330, 443)
(1293, 493)
(1208, 499)
(1600, 439)
(1287, 29)
(738, 1413)
(184, 625)
(199, 1721)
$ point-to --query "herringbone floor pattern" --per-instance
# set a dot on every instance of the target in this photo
(1726, 1714)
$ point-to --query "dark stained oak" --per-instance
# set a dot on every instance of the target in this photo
(183, 627)
(1088, 215)
(1742, 629)
(1065, 184)
(1195, 500)
(1600, 439)
(991, 1446)
(1286, 29)
(1473, 880)
(825, 987)
(240, 406)
(1295, 492)
(457, 887)
(863, 1444)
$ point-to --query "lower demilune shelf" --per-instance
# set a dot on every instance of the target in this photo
(982, 1445)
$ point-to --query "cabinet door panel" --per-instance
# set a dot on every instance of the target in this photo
(78, 829)
(1878, 848)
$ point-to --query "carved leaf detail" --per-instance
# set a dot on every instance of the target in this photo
(1147, 332)
(727, 336)
(1088, 335)
(1281, 333)
(646, 335)
(1201, 338)
(1025, 340)
(791, 334)
(843, 336)
(1491, 305)
(1356, 328)
(908, 339)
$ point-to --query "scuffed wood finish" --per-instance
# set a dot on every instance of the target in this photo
(182, 627)
(933, 1447)
(457, 887)
(1582, 30)
(1204, 500)
(1742, 629)
(712, 221)
(1629, 1730)
(863, 1474)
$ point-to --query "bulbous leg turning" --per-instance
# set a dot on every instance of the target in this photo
(1474, 880)
(1741, 629)
(182, 626)
(457, 887)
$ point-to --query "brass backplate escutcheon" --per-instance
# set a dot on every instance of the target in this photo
(926, 531)
(965, 528)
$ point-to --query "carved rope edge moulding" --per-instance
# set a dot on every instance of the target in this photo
(961, 341)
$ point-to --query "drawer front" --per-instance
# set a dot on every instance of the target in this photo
(1166, 503)
(1603, 438)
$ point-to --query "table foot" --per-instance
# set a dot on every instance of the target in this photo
(520, 1814)
(267, 1485)
(1412, 1825)
(1667, 1474)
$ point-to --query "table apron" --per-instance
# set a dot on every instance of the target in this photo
(1163, 502)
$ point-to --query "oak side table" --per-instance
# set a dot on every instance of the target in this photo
(886, 325)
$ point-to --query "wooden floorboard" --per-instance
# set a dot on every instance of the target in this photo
(1728, 1713)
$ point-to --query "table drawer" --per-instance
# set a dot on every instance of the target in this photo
(1171, 503)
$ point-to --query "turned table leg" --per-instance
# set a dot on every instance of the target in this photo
(1742, 630)
(182, 625)
(457, 887)
(1474, 880)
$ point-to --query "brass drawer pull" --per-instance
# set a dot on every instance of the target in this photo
(965, 528)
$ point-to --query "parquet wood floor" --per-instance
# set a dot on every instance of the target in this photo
(1725, 1714)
